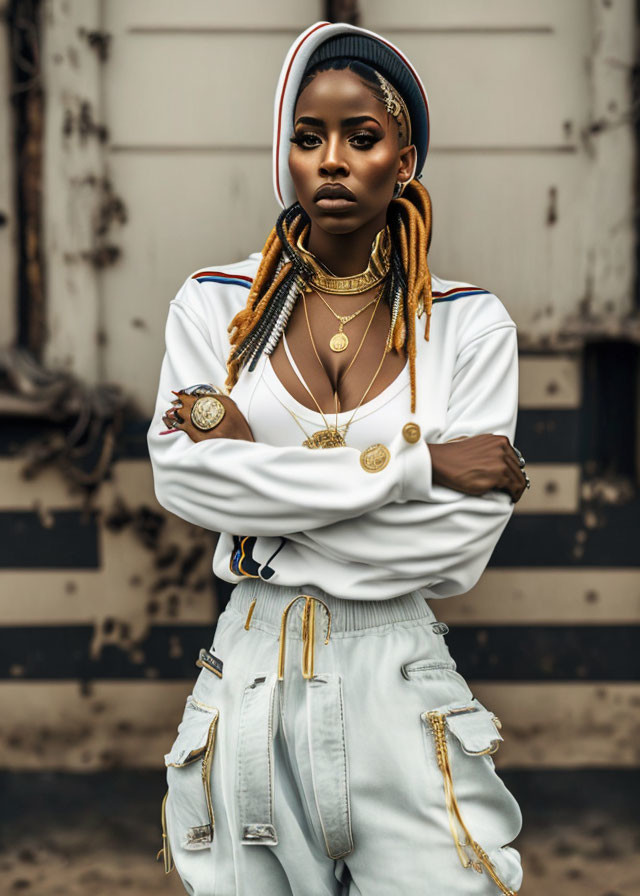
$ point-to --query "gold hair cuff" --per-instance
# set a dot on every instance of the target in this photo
(396, 107)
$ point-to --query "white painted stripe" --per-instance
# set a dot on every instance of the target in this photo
(132, 481)
(53, 727)
(555, 488)
(550, 382)
(564, 725)
(69, 597)
(531, 596)
(509, 596)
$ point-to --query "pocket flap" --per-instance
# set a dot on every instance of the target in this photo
(193, 733)
(473, 725)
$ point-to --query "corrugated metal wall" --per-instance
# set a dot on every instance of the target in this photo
(157, 161)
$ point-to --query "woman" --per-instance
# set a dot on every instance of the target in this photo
(329, 726)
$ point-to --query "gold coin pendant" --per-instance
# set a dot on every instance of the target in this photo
(375, 458)
(338, 342)
(325, 438)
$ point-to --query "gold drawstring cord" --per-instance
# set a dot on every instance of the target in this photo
(436, 720)
(308, 634)
(250, 614)
(165, 852)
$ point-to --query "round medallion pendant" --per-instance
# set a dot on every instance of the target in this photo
(207, 412)
(411, 432)
(375, 458)
(325, 438)
(338, 342)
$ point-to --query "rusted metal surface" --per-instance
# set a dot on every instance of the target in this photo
(23, 21)
(342, 11)
(98, 40)
(8, 197)
(89, 418)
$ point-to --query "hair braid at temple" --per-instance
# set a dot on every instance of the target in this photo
(282, 274)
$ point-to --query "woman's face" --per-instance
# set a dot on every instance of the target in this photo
(346, 144)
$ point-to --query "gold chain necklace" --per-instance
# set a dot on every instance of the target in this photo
(340, 341)
(377, 269)
(331, 437)
(357, 351)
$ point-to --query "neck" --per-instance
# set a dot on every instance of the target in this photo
(345, 254)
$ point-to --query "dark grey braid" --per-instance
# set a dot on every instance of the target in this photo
(253, 344)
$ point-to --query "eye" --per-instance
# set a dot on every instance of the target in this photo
(363, 140)
(306, 140)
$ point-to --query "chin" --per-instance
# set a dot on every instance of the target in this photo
(334, 224)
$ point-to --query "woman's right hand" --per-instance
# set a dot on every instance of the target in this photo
(476, 464)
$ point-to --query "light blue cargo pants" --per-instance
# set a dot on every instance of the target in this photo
(331, 747)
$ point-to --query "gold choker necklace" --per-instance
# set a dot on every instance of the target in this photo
(376, 271)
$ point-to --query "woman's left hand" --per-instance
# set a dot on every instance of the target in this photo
(232, 426)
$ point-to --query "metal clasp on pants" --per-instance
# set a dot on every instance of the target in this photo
(308, 634)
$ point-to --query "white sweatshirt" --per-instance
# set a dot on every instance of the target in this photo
(316, 517)
(295, 516)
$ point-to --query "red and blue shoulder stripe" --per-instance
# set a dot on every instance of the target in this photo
(457, 293)
(221, 277)
(241, 280)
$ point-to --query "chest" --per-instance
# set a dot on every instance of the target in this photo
(333, 357)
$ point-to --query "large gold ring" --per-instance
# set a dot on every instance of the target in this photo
(207, 412)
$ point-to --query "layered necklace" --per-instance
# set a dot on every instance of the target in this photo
(324, 279)
(334, 435)
(321, 278)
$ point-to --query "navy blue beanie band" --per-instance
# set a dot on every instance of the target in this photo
(385, 60)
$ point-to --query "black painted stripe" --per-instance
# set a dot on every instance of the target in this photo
(556, 795)
(64, 539)
(131, 440)
(131, 798)
(543, 436)
(68, 539)
(549, 436)
(494, 653)
(546, 652)
(567, 539)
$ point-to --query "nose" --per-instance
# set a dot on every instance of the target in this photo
(333, 161)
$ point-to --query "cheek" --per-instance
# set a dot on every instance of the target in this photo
(378, 170)
(299, 169)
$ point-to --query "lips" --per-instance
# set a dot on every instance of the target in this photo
(334, 191)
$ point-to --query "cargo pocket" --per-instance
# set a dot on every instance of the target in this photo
(454, 731)
(189, 764)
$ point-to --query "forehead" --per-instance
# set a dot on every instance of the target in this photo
(338, 91)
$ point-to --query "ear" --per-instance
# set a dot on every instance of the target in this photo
(408, 161)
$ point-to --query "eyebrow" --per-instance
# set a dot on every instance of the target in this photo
(356, 119)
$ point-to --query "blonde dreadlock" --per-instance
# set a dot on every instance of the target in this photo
(282, 275)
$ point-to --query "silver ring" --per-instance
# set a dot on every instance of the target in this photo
(527, 481)
(201, 389)
(521, 460)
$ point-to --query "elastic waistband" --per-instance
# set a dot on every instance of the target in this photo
(346, 615)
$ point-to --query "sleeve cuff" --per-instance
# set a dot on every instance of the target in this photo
(418, 472)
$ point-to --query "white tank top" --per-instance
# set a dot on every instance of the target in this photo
(268, 407)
